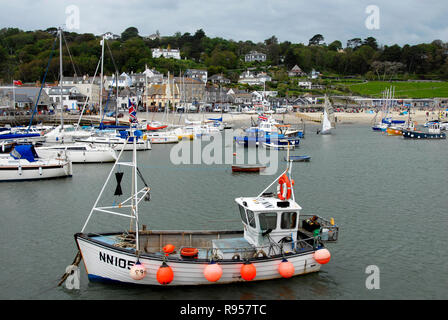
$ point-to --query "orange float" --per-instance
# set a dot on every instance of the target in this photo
(286, 269)
(248, 271)
(165, 274)
(213, 272)
(322, 256)
(169, 248)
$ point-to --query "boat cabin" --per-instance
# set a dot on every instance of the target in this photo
(268, 219)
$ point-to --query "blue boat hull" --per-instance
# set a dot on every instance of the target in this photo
(407, 134)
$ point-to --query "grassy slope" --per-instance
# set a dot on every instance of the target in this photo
(402, 89)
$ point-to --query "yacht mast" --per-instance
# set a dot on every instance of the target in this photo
(60, 81)
(102, 79)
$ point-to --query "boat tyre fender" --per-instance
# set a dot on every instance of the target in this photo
(258, 253)
(236, 257)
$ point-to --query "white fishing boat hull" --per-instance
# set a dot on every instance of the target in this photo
(103, 263)
(17, 170)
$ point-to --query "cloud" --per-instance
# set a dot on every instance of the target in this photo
(401, 22)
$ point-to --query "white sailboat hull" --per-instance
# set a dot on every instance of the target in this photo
(117, 143)
(104, 263)
(93, 155)
(17, 170)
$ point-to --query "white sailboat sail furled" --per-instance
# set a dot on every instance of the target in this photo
(328, 117)
(275, 241)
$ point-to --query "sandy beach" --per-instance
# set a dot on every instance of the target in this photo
(244, 120)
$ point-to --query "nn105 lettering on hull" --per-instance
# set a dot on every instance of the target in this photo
(115, 261)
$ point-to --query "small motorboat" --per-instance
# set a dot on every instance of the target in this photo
(248, 167)
(23, 163)
(298, 158)
(433, 133)
(79, 152)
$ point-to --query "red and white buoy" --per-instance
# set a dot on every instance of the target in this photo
(137, 271)
(322, 256)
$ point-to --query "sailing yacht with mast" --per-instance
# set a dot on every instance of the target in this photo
(328, 114)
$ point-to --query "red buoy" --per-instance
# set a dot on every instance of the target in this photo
(213, 272)
(248, 271)
(322, 256)
(165, 274)
(169, 248)
(286, 269)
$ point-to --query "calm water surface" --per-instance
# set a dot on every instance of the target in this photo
(388, 195)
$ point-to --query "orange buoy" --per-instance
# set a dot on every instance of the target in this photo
(248, 271)
(169, 248)
(189, 252)
(165, 274)
(322, 256)
(137, 271)
(286, 269)
(213, 272)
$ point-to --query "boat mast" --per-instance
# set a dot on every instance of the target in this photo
(60, 81)
(102, 79)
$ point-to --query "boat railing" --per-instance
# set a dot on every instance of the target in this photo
(260, 252)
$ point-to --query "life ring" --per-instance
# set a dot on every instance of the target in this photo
(284, 188)
(257, 254)
(189, 252)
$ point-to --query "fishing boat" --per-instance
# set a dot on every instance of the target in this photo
(23, 163)
(298, 158)
(432, 133)
(79, 152)
(275, 241)
(248, 167)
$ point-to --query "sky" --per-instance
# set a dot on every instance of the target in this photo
(389, 21)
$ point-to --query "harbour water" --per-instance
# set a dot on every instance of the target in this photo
(388, 195)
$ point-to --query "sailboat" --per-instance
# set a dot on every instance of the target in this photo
(275, 240)
(23, 163)
(328, 112)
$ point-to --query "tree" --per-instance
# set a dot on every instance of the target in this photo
(129, 33)
(371, 42)
(316, 40)
(354, 43)
(335, 45)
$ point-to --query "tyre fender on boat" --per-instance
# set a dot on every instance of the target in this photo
(258, 253)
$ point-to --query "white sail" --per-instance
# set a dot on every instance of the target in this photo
(326, 123)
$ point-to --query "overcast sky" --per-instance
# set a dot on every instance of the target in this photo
(401, 22)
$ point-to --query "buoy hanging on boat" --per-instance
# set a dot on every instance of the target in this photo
(322, 256)
(165, 274)
(169, 248)
(284, 188)
(248, 271)
(138, 271)
(213, 272)
(286, 269)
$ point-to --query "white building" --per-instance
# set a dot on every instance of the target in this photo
(197, 74)
(166, 53)
(255, 56)
(249, 78)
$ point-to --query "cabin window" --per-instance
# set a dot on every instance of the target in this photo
(251, 218)
(243, 214)
(289, 220)
(268, 221)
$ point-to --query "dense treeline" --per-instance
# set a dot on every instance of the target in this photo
(24, 55)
